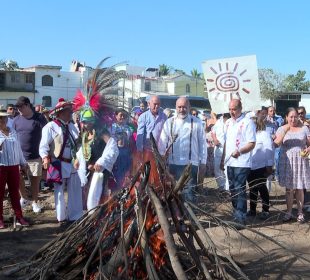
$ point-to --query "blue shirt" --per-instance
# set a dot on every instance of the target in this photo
(272, 124)
(122, 134)
(271, 127)
(279, 120)
(148, 123)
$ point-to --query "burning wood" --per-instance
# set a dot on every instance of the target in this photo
(134, 235)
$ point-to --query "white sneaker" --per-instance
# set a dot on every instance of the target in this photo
(24, 202)
(36, 208)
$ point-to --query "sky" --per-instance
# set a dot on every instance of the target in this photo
(180, 34)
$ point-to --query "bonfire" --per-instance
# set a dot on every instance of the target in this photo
(145, 231)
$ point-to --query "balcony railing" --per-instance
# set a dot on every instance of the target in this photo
(24, 88)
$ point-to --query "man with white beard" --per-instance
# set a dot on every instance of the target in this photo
(186, 136)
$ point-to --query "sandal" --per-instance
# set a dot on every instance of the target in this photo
(287, 217)
(300, 218)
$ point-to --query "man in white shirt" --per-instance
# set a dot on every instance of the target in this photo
(240, 138)
(58, 145)
(187, 138)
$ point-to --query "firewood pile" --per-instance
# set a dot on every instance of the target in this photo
(143, 232)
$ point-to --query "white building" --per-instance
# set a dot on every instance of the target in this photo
(142, 81)
(42, 84)
(51, 83)
(45, 84)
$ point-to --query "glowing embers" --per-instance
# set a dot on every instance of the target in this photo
(158, 249)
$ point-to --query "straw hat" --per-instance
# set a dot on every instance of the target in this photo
(60, 106)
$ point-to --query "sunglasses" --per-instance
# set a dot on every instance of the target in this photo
(301, 113)
(11, 108)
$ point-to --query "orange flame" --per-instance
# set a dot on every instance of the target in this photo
(158, 246)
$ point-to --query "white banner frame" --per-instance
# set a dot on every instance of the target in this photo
(232, 78)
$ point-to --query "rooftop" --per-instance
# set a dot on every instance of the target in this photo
(45, 67)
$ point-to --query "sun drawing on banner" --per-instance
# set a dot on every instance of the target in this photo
(228, 83)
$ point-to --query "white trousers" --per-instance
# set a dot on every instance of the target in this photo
(95, 190)
(221, 178)
(74, 209)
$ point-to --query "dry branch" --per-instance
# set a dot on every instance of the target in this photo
(151, 271)
(172, 251)
(130, 237)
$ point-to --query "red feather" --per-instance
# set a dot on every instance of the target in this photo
(79, 100)
(94, 101)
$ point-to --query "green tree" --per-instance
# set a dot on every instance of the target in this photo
(271, 84)
(8, 65)
(196, 74)
(2, 64)
(164, 70)
(297, 82)
(179, 71)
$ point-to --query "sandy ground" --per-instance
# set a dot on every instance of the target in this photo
(285, 257)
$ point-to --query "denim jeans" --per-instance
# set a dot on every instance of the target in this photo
(277, 152)
(188, 191)
(237, 177)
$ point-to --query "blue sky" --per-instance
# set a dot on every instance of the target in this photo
(180, 34)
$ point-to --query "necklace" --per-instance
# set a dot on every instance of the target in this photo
(86, 144)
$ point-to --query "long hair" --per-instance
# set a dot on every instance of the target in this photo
(260, 124)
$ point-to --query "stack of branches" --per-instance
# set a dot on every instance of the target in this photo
(142, 232)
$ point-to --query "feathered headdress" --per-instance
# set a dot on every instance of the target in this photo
(95, 102)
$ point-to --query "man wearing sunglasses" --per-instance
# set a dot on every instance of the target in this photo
(301, 110)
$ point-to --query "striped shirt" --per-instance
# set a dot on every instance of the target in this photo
(10, 150)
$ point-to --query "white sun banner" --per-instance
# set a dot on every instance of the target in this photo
(232, 78)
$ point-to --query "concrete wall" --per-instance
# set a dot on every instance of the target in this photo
(170, 87)
(305, 101)
(196, 88)
(7, 97)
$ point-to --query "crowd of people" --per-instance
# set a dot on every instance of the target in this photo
(256, 146)
(91, 157)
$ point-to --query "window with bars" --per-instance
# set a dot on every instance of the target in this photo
(187, 88)
(29, 78)
(15, 78)
(47, 81)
